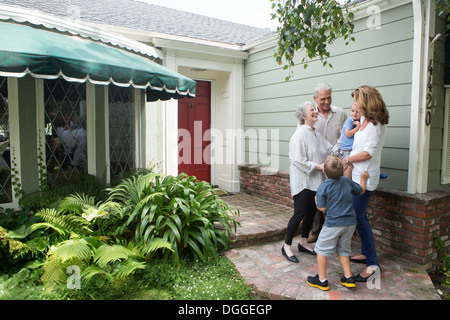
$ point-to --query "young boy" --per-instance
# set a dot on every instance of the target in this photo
(334, 198)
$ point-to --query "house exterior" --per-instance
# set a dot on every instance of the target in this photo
(73, 98)
(198, 47)
(389, 54)
(237, 129)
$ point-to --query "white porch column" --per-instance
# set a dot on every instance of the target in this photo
(424, 25)
(97, 125)
(24, 131)
(171, 123)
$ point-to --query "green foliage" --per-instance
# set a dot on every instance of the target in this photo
(78, 243)
(18, 244)
(15, 177)
(14, 249)
(179, 216)
(160, 280)
(310, 26)
(46, 197)
(186, 212)
(445, 264)
(197, 280)
(113, 262)
(442, 9)
(63, 224)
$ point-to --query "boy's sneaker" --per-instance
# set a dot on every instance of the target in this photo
(384, 177)
(348, 282)
(315, 282)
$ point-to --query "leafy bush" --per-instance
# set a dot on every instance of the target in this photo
(187, 213)
(80, 244)
(111, 234)
(160, 280)
(445, 264)
(18, 244)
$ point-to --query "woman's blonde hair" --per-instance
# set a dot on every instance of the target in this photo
(371, 104)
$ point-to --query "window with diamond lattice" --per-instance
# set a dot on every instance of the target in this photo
(121, 129)
(5, 151)
(65, 125)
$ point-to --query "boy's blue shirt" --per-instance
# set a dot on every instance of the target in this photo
(336, 196)
(345, 142)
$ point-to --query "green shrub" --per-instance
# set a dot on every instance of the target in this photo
(445, 263)
(187, 213)
(111, 234)
(18, 244)
(81, 244)
(160, 280)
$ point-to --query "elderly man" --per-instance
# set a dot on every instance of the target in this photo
(331, 118)
(329, 126)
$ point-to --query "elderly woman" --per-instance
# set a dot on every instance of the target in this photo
(307, 153)
(366, 156)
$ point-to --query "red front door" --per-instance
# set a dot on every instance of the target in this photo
(194, 139)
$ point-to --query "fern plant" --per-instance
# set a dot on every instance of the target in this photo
(186, 212)
(95, 258)
(78, 242)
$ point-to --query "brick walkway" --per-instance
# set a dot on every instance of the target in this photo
(256, 254)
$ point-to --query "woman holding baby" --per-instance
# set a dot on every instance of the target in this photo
(366, 156)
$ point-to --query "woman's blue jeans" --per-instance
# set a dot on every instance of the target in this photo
(360, 204)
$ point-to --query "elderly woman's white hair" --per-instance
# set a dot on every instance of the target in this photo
(300, 113)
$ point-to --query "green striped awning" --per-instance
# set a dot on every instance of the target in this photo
(46, 54)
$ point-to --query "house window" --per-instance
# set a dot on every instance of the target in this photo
(122, 129)
(445, 175)
(65, 129)
(5, 159)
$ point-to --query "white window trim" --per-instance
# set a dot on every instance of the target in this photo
(13, 106)
(445, 173)
(138, 136)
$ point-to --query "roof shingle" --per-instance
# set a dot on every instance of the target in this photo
(148, 17)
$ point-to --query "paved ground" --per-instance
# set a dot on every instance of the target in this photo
(256, 253)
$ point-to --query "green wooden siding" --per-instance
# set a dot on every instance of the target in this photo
(379, 57)
(438, 110)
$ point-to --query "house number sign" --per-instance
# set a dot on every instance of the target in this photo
(429, 93)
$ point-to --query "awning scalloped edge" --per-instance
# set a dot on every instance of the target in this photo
(96, 82)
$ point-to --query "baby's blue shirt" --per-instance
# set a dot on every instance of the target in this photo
(345, 142)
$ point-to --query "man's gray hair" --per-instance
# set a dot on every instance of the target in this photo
(321, 87)
(300, 113)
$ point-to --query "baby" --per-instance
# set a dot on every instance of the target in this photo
(349, 128)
